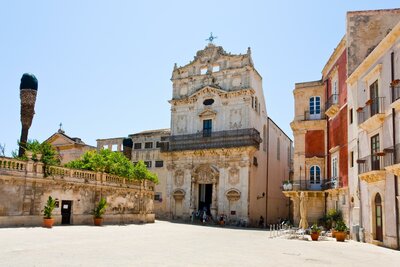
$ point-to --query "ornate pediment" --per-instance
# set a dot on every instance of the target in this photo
(208, 113)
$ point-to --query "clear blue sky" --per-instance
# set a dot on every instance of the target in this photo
(104, 67)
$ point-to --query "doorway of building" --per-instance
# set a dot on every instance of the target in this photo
(205, 197)
(378, 218)
(66, 207)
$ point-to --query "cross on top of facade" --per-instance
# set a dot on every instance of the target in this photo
(211, 38)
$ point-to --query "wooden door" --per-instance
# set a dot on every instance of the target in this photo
(66, 207)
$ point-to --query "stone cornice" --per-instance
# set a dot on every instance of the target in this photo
(334, 57)
(379, 50)
(211, 90)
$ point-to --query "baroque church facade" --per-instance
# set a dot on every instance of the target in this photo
(222, 153)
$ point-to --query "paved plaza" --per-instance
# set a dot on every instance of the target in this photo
(172, 244)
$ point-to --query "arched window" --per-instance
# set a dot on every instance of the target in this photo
(315, 108)
(315, 175)
(378, 218)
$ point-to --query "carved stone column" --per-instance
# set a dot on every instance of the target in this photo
(192, 196)
(214, 200)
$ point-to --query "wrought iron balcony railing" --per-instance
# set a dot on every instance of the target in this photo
(395, 90)
(392, 155)
(332, 100)
(306, 185)
(371, 163)
(208, 140)
(372, 107)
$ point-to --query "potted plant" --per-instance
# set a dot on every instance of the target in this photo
(48, 220)
(315, 230)
(334, 216)
(99, 211)
(341, 231)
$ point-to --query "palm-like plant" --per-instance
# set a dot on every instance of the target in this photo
(28, 91)
(48, 209)
(101, 208)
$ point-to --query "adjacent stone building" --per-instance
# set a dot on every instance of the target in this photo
(68, 148)
(346, 155)
(374, 95)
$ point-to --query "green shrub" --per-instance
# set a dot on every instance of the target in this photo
(341, 226)
(101, 208)
(114, 163)
(49, 207)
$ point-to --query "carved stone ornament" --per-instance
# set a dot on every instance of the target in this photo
(233, 176)
(181, 123)
(179, 178)
(233, 195)
(205, 174)
(179, 194)
(235, 119)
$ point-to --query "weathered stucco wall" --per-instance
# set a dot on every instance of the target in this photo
(24, 190)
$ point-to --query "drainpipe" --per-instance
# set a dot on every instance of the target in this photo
(327, 159)
(266, 187)
(396, 178)
(396, 181)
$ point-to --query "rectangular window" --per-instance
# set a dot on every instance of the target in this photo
(148, 145)
(148, 164)
(374, 94)
(215, 68)
(351, 159)
(334, 167)
(207, 127)
(158, 144)
(351, 116)
(159, 163)
(375, 161)
(252, 101)
(255, 163)
(158, 196)
(137, 146)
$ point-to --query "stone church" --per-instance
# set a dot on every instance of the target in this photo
(222, 154)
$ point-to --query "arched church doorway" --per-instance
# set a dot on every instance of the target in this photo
(205, 197)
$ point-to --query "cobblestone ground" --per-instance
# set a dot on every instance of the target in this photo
(172, 244)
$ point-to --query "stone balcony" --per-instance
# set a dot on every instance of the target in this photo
(211, 140)
(372, 168)
(332, 106)
(309, 121)
(372, 115)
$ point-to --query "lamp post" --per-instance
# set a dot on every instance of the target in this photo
(28, 91)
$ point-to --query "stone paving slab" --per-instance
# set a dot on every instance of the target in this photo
(172, 244)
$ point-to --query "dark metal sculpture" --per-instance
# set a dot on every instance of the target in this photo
(28, 91)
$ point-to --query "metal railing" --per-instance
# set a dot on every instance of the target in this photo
(220, 139)
(333, 183)
(332, 100)
(306, 185)
(392, 155)
(313, 115)
(373, 106)
(371, 163)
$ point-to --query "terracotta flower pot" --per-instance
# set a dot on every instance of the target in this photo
(314, 236)
(340, 236)
(48, 223)
(98, 221)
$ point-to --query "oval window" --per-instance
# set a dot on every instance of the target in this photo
(208, 102)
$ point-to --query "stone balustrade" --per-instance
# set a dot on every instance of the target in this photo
(31, 168)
